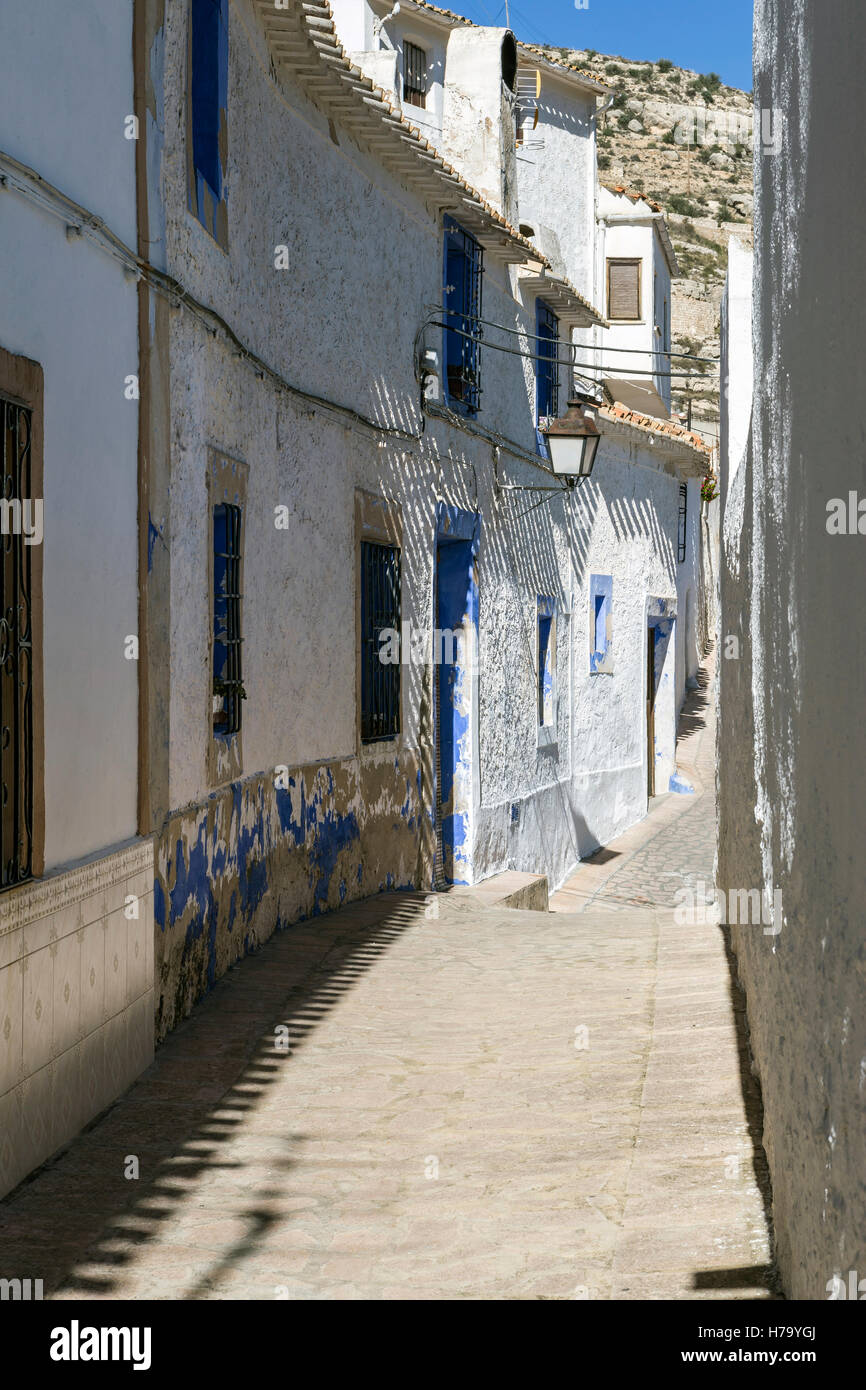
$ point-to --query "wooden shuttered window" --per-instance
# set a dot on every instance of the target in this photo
(623, 289)
(414, 75)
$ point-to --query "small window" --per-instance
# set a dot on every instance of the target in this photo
(17, 563)
(681, 526)
(462, 299)
(600, 624)
(546, 608)
(228, 690)
(208, 91)
(623, 289)
(546, 368)
(380, 620)
(414, 75)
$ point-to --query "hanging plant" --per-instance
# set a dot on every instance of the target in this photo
(709, 490)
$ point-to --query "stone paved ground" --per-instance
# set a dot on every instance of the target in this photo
(479, 1104)
(674, 848)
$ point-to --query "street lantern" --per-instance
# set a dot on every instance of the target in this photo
(572, 439)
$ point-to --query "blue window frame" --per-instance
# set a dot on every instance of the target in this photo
(228, 686)
(463, 271)
(546, 365)
(600, 624)
(546, 370)
(208, 101)
(380, 614)
(546, 609)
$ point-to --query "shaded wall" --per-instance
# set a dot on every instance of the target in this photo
(792, 801)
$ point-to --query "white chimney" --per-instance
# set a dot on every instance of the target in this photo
(478, 130)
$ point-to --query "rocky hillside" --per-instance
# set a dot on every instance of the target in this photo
(685, 140)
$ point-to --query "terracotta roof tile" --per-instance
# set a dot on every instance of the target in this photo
(635, 197)
(652, 425)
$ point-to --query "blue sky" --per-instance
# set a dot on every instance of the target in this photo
(707, 35)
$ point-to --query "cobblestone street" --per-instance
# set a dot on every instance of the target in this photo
(482, 1104)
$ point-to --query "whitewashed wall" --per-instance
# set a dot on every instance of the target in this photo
(791, 784)
(66, 92)
(557, 181)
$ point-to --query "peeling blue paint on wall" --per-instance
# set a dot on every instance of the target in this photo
(158, 904)
(153, 533)
(333, 834)
(256, 856)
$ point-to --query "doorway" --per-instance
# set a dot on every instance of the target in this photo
(650, 711)
(455, 608)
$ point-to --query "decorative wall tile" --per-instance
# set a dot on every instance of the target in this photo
(38, 1009)
(94, 1091)
(11, 947)
(116, 948)
(92, 977)
(11, 1027)
(14, 1154)
(76, 1002)
(37, 1115)
(70, 1110)
(67, 993)
(139, 948)
(140, 1037)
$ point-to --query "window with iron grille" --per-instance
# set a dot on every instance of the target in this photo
(228, 689)
(681, 528)
(16, 652)
(414, 75)
(380, 614)
(546, 365)
(462, 296)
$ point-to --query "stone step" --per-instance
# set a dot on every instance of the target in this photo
(509, 889)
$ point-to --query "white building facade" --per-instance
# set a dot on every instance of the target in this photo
(76, 907)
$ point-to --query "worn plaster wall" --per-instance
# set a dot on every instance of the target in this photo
(478, 134)
(556, 172)
(790, 781)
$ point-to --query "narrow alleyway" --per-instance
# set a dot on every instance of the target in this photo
(481, 1104)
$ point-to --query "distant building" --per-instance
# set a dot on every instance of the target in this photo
(635, 266)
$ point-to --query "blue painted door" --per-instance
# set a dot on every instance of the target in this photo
(650, 711)
(456, 610)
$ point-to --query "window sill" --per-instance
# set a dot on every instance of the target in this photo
(548, 740)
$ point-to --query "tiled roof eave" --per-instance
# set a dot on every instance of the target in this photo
(674, 438)
(572, 308)
(303, 41)
(659, 220)
(559, 65)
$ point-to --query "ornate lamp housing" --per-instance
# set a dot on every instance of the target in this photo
(573, 439)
